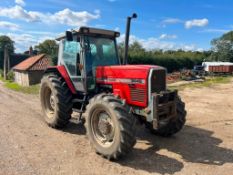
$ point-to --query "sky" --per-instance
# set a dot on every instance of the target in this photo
(161, 24)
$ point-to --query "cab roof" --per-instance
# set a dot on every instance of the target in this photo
(92, 31)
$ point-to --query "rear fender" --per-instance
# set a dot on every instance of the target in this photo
(61, 70)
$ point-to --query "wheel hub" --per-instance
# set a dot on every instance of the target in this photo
(51, 100)
(105, 127)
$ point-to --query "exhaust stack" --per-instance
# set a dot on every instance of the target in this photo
(127, 33)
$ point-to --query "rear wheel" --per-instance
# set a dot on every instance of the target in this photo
(174, 125)
(110, 126)
(56, 101)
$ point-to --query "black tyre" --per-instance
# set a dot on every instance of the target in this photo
(56, 101)
(174, 125)
(110, 126)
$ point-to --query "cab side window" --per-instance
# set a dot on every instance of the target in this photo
(71, 57)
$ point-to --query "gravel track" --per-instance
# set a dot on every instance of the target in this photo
(204, 146)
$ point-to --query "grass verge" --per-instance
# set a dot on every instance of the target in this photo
(24, 89)
(209, 81)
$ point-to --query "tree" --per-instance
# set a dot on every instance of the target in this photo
(223, 48)
(136, 47)
(6, 48)
(121, 50)
(5, 42)
(227, 36)
(50, 48)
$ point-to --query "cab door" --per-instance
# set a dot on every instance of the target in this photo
(70, 57)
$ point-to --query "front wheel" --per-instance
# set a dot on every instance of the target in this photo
(110, 126)
(174, 125)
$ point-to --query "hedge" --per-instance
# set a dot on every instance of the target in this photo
(171, 62)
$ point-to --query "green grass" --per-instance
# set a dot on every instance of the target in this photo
(2, 79)
(24, 89)
(210, 81)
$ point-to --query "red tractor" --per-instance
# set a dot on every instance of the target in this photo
(109, 95)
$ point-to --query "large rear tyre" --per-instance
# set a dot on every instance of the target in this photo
(56, 101)
(174, 125)
(110, 126)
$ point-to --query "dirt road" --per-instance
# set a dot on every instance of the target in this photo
(205, 145)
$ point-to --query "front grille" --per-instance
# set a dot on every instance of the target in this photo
(137, 95)
(158, 80)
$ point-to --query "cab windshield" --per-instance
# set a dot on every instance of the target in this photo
(99, 52)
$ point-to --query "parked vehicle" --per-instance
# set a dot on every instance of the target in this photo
(91, 80)
(198, 70)
(218, 67)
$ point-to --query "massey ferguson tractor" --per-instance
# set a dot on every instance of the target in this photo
(108, 94)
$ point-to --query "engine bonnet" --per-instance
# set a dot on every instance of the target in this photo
(125, 71)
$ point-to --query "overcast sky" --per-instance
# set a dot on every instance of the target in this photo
(161, 24)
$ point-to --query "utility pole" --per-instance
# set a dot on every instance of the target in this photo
(6, 62)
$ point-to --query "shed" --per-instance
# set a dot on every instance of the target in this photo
(30, 71)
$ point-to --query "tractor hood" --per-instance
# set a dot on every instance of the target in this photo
(130, 82)
(124, 71)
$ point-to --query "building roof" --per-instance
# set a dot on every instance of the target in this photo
(38, 62)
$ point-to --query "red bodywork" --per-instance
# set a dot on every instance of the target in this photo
(63, 72)
(118, 77)
(109, 75)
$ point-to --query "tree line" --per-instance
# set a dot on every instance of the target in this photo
(173, 60)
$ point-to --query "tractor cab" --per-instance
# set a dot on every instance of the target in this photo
(81, 51)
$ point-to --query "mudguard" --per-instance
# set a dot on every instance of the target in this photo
(61, 70)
